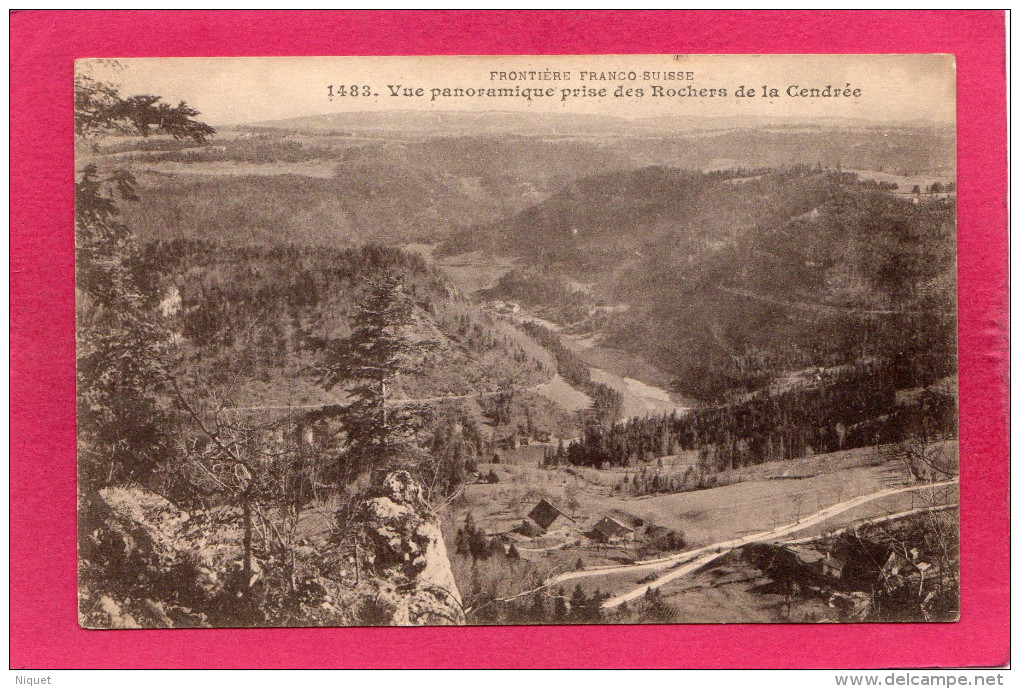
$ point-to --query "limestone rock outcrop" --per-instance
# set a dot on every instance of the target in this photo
(407, 554)
(143, 563)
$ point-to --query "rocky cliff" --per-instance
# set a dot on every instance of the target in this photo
(407, 556)
(144, 562)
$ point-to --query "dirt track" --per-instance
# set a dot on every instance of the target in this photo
(693, 560)
(389, 403)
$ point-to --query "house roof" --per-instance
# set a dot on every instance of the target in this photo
(612, 527)
(545, 513)
(806, 556)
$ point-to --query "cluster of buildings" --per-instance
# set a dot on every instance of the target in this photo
(545, 517)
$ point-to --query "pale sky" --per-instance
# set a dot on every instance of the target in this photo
(242, 90)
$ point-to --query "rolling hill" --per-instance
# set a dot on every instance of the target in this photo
(403, 177)
(733, 277)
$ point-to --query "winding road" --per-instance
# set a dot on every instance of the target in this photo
(692, 560)
(389, 403)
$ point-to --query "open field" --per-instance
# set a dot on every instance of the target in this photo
(707, 516)
(563, 394)
(474, 271)
(639, 399)
(757, 497)
(617, 362)
(658, 573)
(796, 505)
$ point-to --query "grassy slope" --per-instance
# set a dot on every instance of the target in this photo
(728, 591)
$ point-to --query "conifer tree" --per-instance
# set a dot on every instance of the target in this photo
(382, 345)
(119, 341)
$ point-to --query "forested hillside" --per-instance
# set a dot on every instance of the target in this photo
(854, 407)
(319, 182)
(732, 278)
(257, 320)
(328, 189)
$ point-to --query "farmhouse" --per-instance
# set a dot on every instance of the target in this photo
(821, 562)
(609, 530)
(544, 517)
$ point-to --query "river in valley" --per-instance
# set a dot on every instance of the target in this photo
(636, 380)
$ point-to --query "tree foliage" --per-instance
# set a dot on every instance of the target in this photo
(120, 343)
(100, 108)
(845, 408)
(383, 344)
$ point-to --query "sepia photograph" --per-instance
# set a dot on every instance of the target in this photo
(516, 340)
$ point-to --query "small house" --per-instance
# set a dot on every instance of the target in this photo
(609, 530)
(548, 517)
(821, 562)
(832, 566)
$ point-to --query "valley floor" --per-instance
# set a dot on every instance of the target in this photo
(768, 503)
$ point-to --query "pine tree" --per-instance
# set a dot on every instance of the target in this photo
(380, 347)
(118, 342)
(99, 108)
(119, 339)
(559, 606)
(578, 604)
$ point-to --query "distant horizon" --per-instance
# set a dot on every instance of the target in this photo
(783, 120)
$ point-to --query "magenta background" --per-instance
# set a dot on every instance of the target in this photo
(44, 631)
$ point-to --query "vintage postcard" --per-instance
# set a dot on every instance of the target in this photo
(516, 340)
